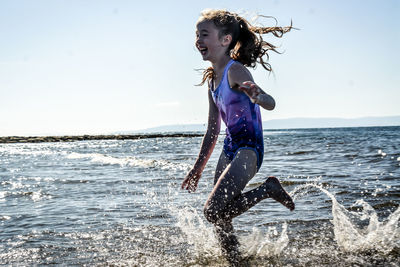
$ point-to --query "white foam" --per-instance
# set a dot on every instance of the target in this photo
(128, 161)
(24, 150)
(201, 236)
(268, 244)
(197, 233)
(351, 236)
(382, 236)
(380, 152)
(36, 196)
(3, 195)
(4, 218)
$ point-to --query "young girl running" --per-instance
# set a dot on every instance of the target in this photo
(231, 44)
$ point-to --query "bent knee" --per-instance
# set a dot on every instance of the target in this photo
(211, 214)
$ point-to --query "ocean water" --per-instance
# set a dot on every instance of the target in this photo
(119, 203)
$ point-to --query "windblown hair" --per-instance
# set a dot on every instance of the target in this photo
(247, 46)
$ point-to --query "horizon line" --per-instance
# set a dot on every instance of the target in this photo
(273, 124)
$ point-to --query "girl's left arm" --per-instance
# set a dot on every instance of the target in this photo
(240, 78)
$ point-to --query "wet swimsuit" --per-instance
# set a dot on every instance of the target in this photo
(241, 117)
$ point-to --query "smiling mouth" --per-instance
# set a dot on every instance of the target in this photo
(203, 50)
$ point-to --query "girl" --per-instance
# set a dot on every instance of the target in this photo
(231, 44)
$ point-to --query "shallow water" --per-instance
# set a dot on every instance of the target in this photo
(119, 202)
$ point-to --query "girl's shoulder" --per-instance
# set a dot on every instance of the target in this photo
(238, 68)
(238, 73)
(237, 65)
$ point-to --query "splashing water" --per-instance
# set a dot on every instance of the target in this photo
(354, 232)
(266, 245)
(200, 235)
(349, 232)
(197, 232)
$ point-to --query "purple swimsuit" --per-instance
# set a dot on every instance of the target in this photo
(241, 117)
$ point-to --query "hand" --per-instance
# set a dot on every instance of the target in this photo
(251, 90)
(191, 180)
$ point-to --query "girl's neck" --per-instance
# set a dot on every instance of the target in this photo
(219, 65)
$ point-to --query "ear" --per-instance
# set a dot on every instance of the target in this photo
(226, 40)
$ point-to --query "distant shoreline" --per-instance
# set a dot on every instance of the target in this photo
(74, 138)
(290, 123)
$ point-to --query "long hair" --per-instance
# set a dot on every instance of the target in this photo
(247, 46)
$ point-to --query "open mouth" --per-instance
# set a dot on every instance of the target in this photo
(203, 50)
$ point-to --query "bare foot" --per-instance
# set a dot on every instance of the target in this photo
(276, 191)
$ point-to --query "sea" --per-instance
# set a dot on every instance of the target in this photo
(119, 202)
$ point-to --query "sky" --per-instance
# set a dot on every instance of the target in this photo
(95, 67)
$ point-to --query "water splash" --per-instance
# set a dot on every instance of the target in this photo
(200, 235)
(350, 234)
(268, 244)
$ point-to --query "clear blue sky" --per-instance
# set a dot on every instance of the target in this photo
(75, 67)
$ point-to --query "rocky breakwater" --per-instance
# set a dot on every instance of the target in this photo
(74, 138)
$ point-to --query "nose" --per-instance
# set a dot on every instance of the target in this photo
(198, 40)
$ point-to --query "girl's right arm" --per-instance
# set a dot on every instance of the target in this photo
(207, 147)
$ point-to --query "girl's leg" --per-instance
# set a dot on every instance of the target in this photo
(224, 229)
(227, 201)
(223, 162)
(271, 188)
(230, 183)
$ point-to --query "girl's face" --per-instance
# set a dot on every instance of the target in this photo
(208, 42)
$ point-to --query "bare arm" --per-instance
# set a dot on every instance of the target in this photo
(240, 78)
(257, 95)
(207, 146)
